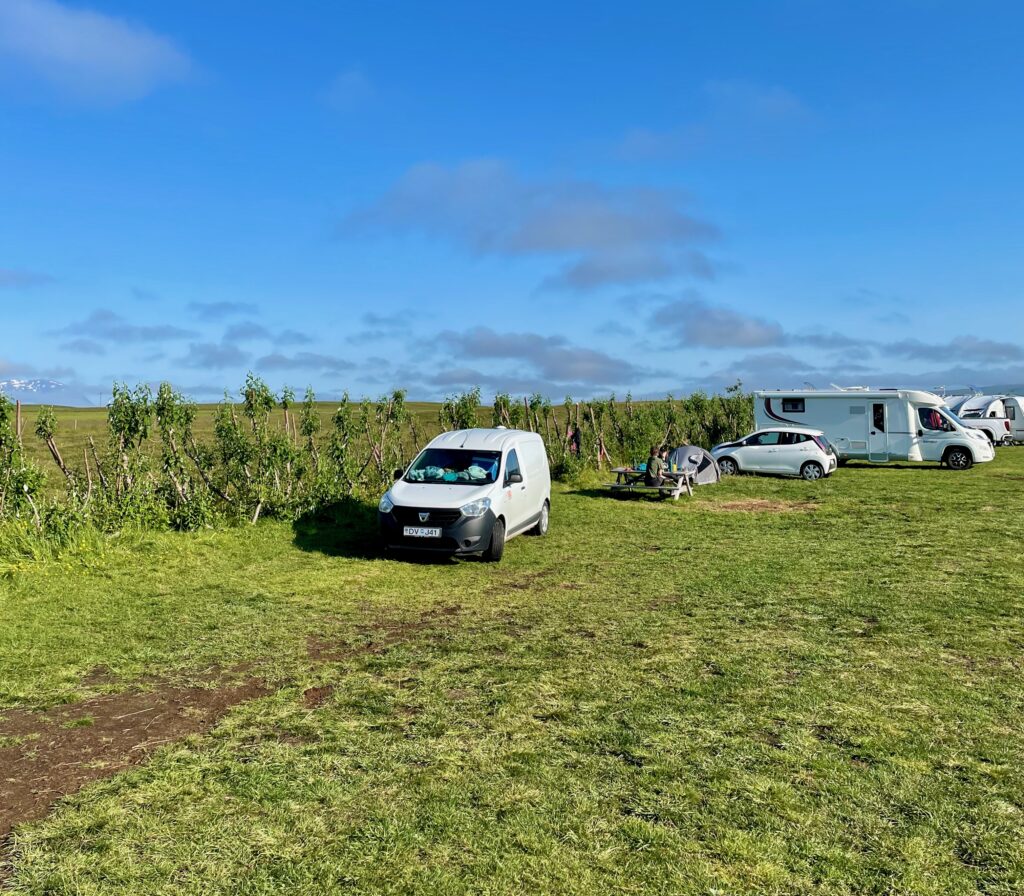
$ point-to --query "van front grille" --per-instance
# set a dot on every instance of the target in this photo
(410, 516)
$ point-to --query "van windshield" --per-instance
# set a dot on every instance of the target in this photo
(456, 466)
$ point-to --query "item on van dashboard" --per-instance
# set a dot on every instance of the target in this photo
(468, 492)
(877, 425)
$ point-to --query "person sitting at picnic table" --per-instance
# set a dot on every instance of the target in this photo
(656, 466)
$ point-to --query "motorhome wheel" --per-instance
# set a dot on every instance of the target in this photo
(959, 459)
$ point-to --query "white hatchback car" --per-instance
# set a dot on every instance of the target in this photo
(790, 451)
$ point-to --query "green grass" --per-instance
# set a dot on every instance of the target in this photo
(657, 698)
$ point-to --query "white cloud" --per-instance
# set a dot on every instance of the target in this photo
(609, 235)
(86, 54)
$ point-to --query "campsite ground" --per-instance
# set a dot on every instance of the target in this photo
(775, 687)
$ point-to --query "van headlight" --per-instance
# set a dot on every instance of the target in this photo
(476, 508)
(386, 503)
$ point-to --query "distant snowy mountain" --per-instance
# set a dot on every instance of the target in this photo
(43, 392)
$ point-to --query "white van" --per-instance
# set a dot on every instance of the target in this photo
(879, 425)
(468, 492)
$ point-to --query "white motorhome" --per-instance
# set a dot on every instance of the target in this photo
(878, 425)
(468, 492)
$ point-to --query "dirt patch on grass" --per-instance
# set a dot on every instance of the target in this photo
(383, 634)
(318, 696)
(47, 755)
(760, 505)
(61, 750)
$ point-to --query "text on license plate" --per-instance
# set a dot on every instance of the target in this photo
(421, 532)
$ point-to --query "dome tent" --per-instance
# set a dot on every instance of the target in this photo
(701, 465)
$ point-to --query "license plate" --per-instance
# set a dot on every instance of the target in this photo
(421, 532)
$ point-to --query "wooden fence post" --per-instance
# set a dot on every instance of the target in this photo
(17, 418)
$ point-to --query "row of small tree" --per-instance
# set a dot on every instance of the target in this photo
(154, 470)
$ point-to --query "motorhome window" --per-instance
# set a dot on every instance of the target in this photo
(878, 417)
(511, 465)
(1011, 412)
(792, 405)
(932, 420)
(766, 438)
(456, 466)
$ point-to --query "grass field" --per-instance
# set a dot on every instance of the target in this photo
(776, 687)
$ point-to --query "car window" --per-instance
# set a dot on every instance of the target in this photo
(765, 438)
(511, 465)
(791, 438)
(932, 420)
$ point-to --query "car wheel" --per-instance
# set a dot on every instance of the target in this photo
(959, 459)
(497, 544)
(544, 522)
(728, 467)
(812, 471)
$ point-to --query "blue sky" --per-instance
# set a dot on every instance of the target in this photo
(564, 197)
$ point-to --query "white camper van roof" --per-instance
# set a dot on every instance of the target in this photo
(481, 439)
(856, 394)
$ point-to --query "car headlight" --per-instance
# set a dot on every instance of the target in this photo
(476, 508)
(386, 503)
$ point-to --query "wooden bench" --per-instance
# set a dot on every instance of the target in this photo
(628, 481)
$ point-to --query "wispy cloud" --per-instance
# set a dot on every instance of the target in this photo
(348, 90)
(311, 361)
(214, 311)
(692, 322)
(735, 114)
(88, 55)
(107, 326)
(606, 235)
(550, 359)
(83, 347)
(214, 356)
(964, 348)
(13, 278)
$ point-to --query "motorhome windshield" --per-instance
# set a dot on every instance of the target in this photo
(939, 419)
(455, 466)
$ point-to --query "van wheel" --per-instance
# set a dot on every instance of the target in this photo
(959, 459)
(728, 467)
(812, 471)
(497, 546)
(544, 522)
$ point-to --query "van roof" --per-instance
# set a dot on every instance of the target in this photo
(854, 394)
(481, 439)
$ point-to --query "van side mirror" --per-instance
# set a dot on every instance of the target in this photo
(515, 477)
(398, 474)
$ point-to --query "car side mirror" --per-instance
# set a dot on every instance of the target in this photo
(398, 474)
(515, 477)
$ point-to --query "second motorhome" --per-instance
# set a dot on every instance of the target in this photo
(879, 425)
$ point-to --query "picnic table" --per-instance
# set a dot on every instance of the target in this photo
(629, 480)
